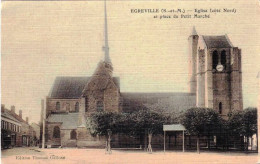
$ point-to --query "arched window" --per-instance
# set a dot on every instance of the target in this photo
(77, 107)
(86, 104)
(73, 135)
(100, 106)
(56, 132)
(67, 107)
(214, 59)
(57, 105)
(223, 58)
(220, 108)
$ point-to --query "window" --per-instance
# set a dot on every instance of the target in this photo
(223, 58)
(220, 108)
(67, 107)
(214, 59)
(73, 135)
(86, 104)
(100, 106)
(2, 124)
(77, 107)
(56, 132)
(57, 105)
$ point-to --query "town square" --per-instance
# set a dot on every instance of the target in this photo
(119, 82)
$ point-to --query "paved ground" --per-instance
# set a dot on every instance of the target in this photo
(94, 156)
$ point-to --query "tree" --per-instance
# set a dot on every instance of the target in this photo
(138, 123)
(201, 121)
(98, 123)
(249, 120)
(243, 123)
(147, 122)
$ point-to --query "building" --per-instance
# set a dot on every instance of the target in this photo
(36, 135)
(215, 82)
(20, 131)
(10, 129)
(215, 73)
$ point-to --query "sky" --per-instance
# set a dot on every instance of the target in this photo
(45, 39)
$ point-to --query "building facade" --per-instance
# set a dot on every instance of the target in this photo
(10, 129)
(15, 131)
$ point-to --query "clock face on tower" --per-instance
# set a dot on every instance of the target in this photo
(220, 67)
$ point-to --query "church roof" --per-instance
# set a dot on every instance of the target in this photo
(169, 102)
(68, 120)
(67, 87)
(221, 41)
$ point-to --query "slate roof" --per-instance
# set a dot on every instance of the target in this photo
(8, 114)
(169, 102)
(15, 116)
(68, 120)
(66, 87)
(221, 41)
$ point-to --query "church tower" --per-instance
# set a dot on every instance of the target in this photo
(107, 60)
(193, 44)
(102, 92)
(218, 77)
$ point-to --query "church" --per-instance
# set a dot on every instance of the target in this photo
(215, 82)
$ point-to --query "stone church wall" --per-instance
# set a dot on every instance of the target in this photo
(64, 103)
(50, 139)
(66, 141)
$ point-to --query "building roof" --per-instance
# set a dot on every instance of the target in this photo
(68, 120)
(66, 87)
(7, 114)
(221, 41)
(168, 102)
(17, 117)
(174, 127)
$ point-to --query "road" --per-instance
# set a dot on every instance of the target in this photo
(97, 156)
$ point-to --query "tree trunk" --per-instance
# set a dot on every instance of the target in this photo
(208, 142)
(189, 141)
(145, 140)
(169, 143)
(251, 142)
(150, 150)
(257, 141)
(175, 139)
(198, 144)
(227, 143)
(247, 143)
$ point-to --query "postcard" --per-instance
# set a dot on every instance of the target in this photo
(120, 81)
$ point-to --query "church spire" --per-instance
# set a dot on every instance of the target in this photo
(194, 32)
(106, 47)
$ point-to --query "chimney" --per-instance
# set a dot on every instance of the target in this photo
(13, 108)
(3, 108)
(20, 113)
(27, 120)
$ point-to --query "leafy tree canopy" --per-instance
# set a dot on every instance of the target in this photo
(127, 123)
(200, 121)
